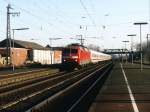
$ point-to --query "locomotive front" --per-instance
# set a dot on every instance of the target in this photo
(70, 58)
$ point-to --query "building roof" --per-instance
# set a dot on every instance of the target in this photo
(22, 44)
(54, 48)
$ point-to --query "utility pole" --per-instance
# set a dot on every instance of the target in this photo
(8, 34)
(81, 39)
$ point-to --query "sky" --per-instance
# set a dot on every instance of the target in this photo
(104, 23)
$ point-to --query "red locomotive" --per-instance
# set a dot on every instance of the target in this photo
(75, 56)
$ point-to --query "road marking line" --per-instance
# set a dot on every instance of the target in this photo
(130, 92)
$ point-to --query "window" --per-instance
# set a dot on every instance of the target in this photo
(68, 51)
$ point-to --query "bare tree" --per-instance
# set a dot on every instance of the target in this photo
(94, 47)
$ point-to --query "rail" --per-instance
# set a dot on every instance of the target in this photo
(57, 100)
(34, 94)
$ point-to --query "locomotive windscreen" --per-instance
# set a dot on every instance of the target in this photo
(68, 51)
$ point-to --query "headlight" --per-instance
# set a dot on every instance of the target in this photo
(74, 56)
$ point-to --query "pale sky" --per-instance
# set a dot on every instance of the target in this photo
(110, 21)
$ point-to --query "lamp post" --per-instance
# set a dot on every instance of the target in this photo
(125, 48)
(13, 42)
(51, 46)
(141, 23)
(132, 35)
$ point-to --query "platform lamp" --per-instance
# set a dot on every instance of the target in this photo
(17, 29)
(131, 35)
(140, 24)
(51, 46)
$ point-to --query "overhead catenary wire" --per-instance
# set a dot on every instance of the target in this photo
(59, 12)
(45, 7)
(37, 17)
(26, 11)
(92, 5)
(90, 17)
(40, 18)
(19, 22)
(34, 15)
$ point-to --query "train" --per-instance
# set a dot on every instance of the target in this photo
(77, 56)
(28, 53)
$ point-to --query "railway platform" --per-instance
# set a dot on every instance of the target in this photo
(127, 89)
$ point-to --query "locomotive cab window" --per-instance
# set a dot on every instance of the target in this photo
(67, 51)
(74, 51)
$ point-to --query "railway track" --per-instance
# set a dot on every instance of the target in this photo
(23, 72)
(26, 89)
(31, 94)
(76, 97)
(22, 76)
